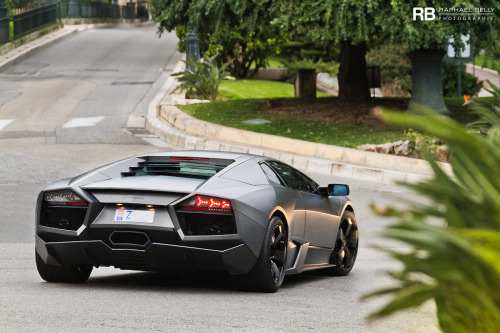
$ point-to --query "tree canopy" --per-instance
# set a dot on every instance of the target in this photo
(397, 23)
(237, 30)
(247, 31)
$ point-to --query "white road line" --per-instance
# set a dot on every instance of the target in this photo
(5, 122)
(83, 122)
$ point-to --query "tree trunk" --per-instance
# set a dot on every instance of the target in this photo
(305, 83)
(353, 82)
(427, 90)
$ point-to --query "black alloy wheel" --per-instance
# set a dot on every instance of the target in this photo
(277, 253)
(269, 271)
(346, 246)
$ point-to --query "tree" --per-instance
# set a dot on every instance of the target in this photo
(332, 22)
(427, 40)
(236, 30)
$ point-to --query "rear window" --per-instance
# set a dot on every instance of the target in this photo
(202, 168)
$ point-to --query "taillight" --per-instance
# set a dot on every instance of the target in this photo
(63, 198)
(206, 215)
(205, 203)
(63, 209)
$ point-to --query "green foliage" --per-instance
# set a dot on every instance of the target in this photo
(203, 79)
(240, 31)
(470, 84)
(10, 6)
(330, 67)
(322, 22)
(396, 21)
(486, 62)
(181, 33)
(395, 66)
(488, 112)
(453, 232)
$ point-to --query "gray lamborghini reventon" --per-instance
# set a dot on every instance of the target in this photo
(253, 217)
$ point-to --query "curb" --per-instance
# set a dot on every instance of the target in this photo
(179, 129)
(21, 52)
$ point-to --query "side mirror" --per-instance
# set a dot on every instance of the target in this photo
(338, 189)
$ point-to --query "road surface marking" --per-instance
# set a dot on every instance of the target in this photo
(83, 122)
(5, 122)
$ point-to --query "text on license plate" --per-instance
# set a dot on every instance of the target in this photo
(134, 215)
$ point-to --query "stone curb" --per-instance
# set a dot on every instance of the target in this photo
(21, 52)
(184, 140)
(180, 129)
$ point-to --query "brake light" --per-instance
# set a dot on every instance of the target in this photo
(207, 204)
(64, 198)
(188, 159)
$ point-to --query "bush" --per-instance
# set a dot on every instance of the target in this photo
(202, 79)
(470, 84)
(454, 232)
(487, 111)
(331, 67)
(395, 67)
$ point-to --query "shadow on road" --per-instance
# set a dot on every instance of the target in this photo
(171, 282)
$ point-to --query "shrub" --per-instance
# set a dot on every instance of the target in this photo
(331, 67)
(395, 68)
(201, 79)
(453, 233)
(487, 111)
(470, 84)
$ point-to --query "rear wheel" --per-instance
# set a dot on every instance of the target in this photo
(65, 273)
(346, 246)
(269, 272)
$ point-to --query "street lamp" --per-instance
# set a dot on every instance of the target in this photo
(192, 47)
(459, 58)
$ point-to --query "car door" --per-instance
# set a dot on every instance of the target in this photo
(285, 196)
(321, 213)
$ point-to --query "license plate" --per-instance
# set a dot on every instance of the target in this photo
(134, 215)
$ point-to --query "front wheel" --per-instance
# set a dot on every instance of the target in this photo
(66, 273)
(269, 272)
(346, 246)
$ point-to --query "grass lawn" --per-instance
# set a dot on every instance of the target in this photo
(272, 62)
(324, 121)
(232, 113)
(482, 61)
(256, 89)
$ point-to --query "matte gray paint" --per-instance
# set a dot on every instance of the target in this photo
(312, 220)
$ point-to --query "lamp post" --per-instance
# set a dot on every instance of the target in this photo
(192, 47)
(460, 58)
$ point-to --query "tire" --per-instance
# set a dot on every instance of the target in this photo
(65, 273)
(269, 272)
(346, 246)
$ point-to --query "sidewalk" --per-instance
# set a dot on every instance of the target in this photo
(19, 53)
(484, 74)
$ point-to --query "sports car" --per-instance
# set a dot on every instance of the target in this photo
(252, 217)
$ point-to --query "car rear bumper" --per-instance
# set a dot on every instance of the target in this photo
(237, 259)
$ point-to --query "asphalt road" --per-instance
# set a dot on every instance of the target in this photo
(62, 112)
